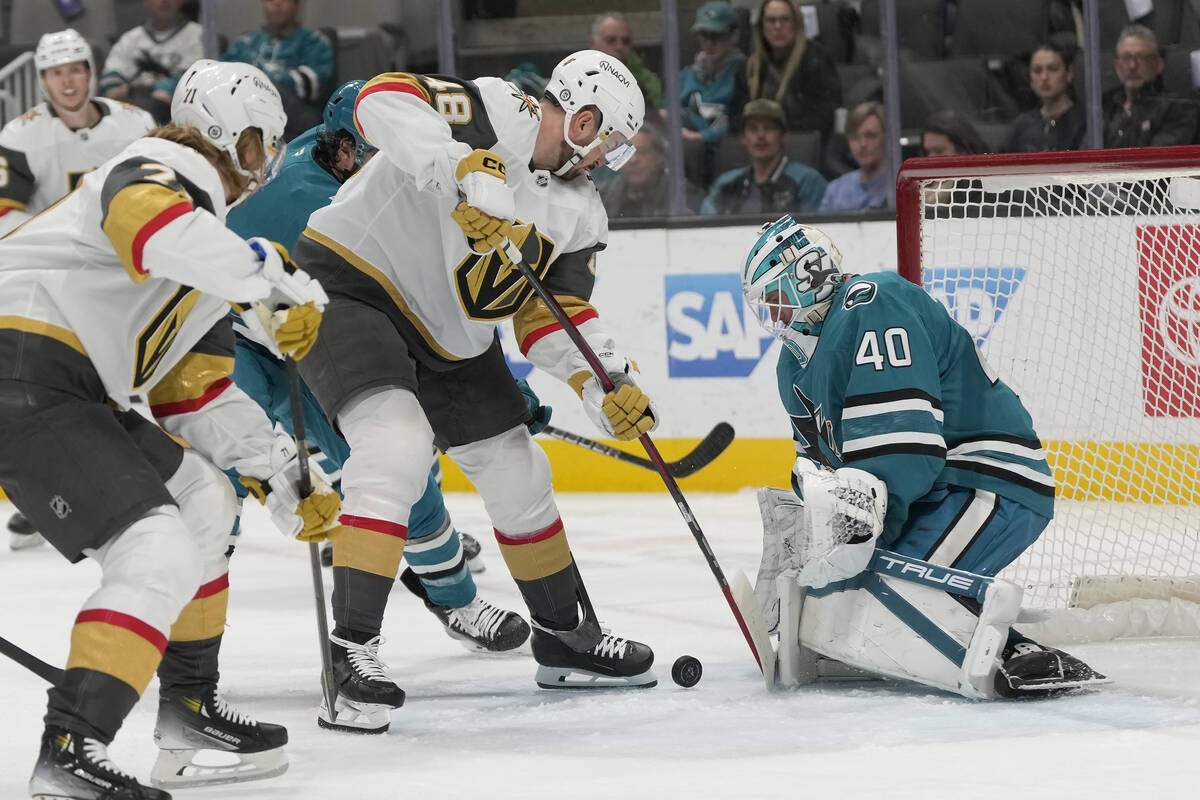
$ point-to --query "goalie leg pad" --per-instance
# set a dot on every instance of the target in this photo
(786, 527)
(905, 629)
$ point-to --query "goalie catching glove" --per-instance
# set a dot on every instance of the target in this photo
(274, 480)
(846, 509)
(291, 314)
(626, 412)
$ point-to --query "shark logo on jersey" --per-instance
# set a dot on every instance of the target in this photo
(710, 331)
(489, 288)
(859, 294)
(813, 428)
(159, 334)
(975, 296)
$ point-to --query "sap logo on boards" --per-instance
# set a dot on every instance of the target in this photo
(975, 296)
(710, 331)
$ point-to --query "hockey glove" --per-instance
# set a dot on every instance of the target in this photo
(291, 314)
(312, 519)
(846, 510)
(540, 414)
(626, 412)
(488, 205)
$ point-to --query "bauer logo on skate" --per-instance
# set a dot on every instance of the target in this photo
(710, 332)
(975, 296)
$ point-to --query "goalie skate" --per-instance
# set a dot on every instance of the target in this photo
(71, 767)
(365, 693)
(204, 741)
(1030, 671)
(609, 663)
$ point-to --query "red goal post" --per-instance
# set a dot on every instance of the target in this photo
(1078, 274)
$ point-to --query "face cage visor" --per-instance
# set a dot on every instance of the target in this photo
(616, 148)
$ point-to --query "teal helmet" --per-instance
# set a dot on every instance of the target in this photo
(790, 277)
(339, 116)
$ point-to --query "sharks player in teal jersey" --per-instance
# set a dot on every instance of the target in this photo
(906, 437)
(318, 162)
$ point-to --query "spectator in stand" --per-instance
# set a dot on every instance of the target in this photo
(612, 34)
(299, 61)
(867, 186)
(1059, 123)
(640, 189)
(1138, 113)
(707, 86)
(948, 133)
(791, 69)
(771, 184)
(158, 50)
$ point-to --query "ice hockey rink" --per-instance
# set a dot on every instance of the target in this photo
(477, 726)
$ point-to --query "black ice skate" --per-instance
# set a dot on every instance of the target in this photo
(471, 549)
(365, 693)
(479, 625)
(1029, 671)
(21, 533)
(188, 724)
(587, 658)
(73, 767)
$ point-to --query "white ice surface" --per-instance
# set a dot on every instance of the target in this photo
(477, 726)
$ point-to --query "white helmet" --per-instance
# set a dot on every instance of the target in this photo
(592, 78)
(63, 47)
(221, 99)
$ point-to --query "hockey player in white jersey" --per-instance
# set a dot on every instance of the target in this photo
(45, 151)
(51, 146)
(122, 291)
(409, 355)
(907, 440)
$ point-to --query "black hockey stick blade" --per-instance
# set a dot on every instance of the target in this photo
(703, 454)
(47, 672)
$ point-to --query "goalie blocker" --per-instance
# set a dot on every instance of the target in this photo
(898, 617)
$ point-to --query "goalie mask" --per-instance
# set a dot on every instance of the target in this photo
(223, 99)
(789, 279)
(590, 78)
(59, 48)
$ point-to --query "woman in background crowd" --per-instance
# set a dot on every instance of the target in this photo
(1058, 124)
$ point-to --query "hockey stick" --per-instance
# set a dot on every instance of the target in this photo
(700, 457)
(47, 672)
(296, 395)
(589, 355)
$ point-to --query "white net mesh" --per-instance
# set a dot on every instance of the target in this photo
(1083, 291)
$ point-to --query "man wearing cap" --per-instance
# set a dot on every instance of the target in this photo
(771, 184)
(707, 86)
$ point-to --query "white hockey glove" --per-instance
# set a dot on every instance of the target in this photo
(488, 207)
(846, 509)
(624, 413)
(274, 478)
(291, 314)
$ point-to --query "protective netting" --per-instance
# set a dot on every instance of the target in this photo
(1083, 292)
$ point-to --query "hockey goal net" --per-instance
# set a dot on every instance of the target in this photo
(1078, 274)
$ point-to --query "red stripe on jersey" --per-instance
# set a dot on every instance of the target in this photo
(545, 533)
(377, 525)
(213, 587)
(534, 335)
(152, 227)
(129, 623)
(388, 86)
(195, 404)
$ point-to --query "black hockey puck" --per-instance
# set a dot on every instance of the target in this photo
(686, 671)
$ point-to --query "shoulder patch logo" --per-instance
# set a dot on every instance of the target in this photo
(528, 105)
(859, 294)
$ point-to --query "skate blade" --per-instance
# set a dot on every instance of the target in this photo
(355, 717)
(473, 646)
(566, 678)
(1054, 688)
(180, 769)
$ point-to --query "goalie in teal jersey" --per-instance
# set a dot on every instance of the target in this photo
(906, 441)
(318, 162)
